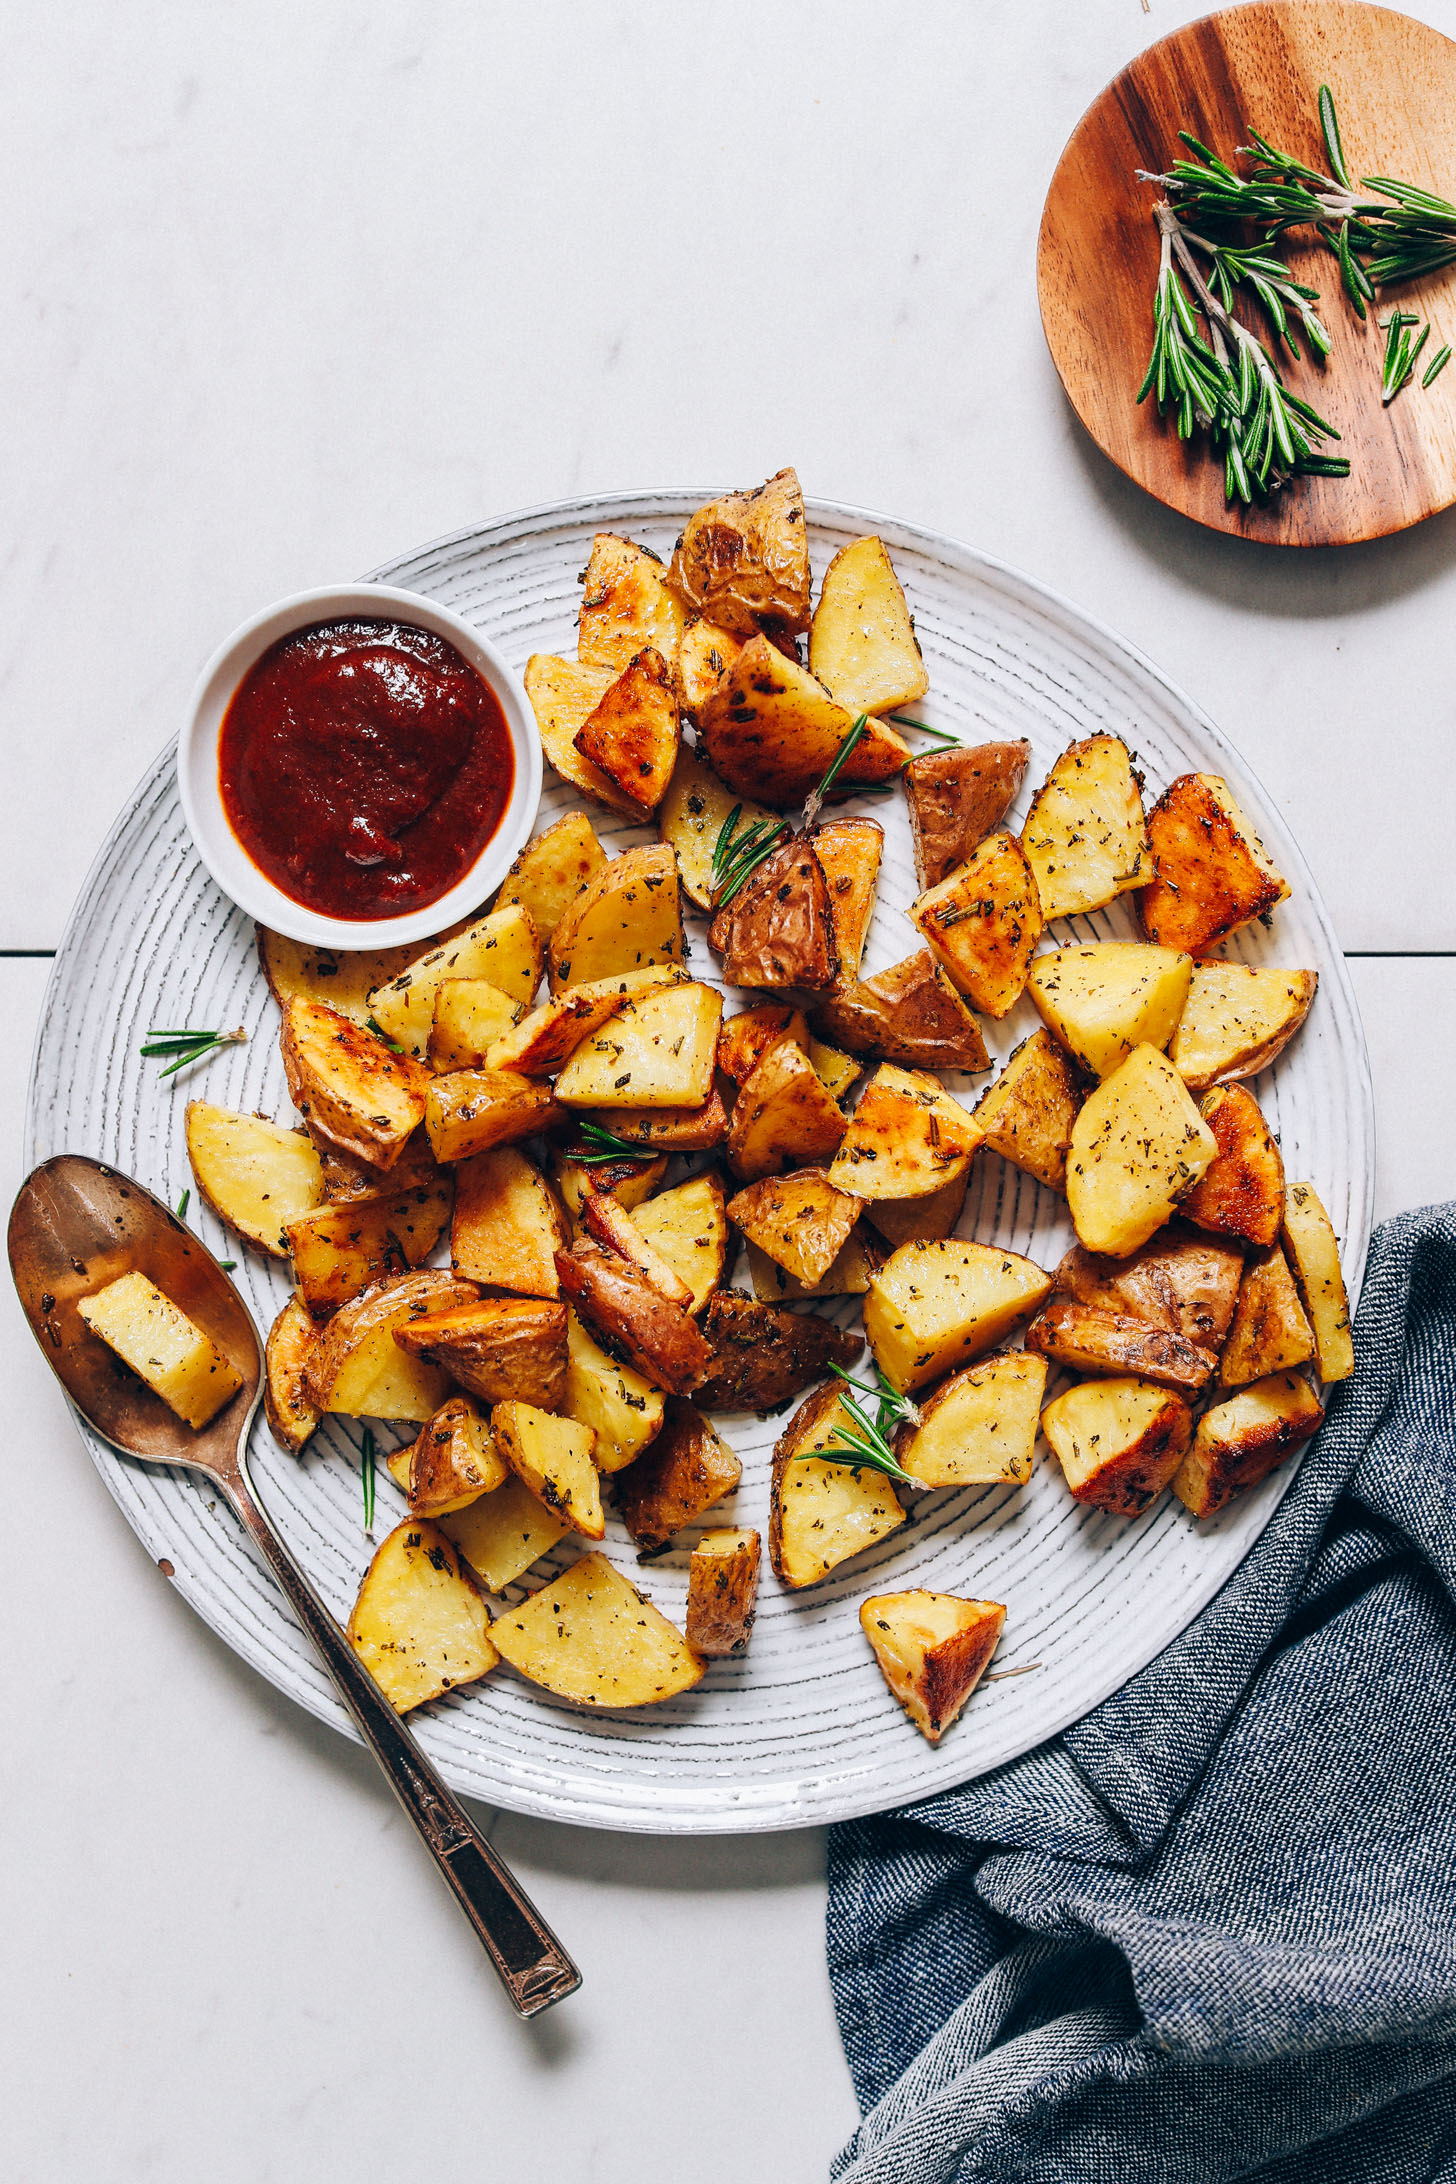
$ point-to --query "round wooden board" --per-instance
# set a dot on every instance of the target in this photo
(1394, 84)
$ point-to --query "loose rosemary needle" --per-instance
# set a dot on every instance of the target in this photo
(182, 1204)
(604, 1145)
(367, 1477)
(181, 1048)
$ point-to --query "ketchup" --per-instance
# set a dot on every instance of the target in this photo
(364, 765)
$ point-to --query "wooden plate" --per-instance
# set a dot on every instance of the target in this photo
(1394, 83)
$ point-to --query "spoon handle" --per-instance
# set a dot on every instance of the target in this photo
(534, 1968)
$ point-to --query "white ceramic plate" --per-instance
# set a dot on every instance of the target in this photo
(802, 1728)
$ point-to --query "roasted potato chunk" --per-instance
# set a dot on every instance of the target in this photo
(621, 1307)
(626, 605)
(1181, 1280)
(1238, 1443)
(292, 1418)
(633, 731)
(470, 1015)
(1314, 1258)
(1091, 1339)
(419, 1625)
(849, 853)
(1241, 1191)
(499, 1348)
(779, 930)
(764, 1355)
(628, 1180)
(175, 1357)
(562, 694)
(348, 1181)
(507, 1226)
(590, 1636)
(610, 1225)
(1210, 872)
(983, 923)
(704, 656)
(552, 1458)
(933, 1650)
(907, 1138)
(956, 798)
(255, 1175)
(722, 1593)
(910, 1014)
(344, 978)
(351, 1091)
(1271, 1330)
(862, 641)
(1236, 1020)
(628, 917)
(503, 948)
(743, 559)
(503, 1533)
(688, 1229)
(473, 1110)
(744, 1039)
(978, 1428)
(821, 1511)
(848, 1274)
(783, 1116)
(1027, 1114)
(934, 1306)
(772, 732)
(1085, 837)
(686, 1470)
(1102, 1001)
(1119, 1442)
(835, 1071)
(454, 1460)
(357, 1368)
(801, 1221)
(623, 1410)
(907, 1220)
(655, 1052)
(551, 872)
(539, 1044)
(1137, 1145)
(691, 817)
(343, 1249)
(666, 1129)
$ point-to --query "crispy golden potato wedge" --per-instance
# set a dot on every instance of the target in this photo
(499, 1348)
(1027, 1114)
(255, 1175)
(722, 1593)
(910, 1014)
(562, 694)
(744, 559)
(590, 1636)
(473, 1110)
(623, 1409)
(691, 816)
(764, 1355)
(1119, 1442)
(1092, 1339)
(1210, 871)
(348, 1180)
(956, 798)
(542, 1041)
(850, 852)
(934, 1306)
(688, 1228)
(503, 1533)
(983, 922)
(745, 1038)
(771, 731)
(848, 1274)
(1239, 1442)
(907, 1137)
(1181, 1280)
(610, 1225)
(822, 1512)
(626, 918)
(1085, 836)
(419, 1624)
(1241, 1192)
(344, 1249)
(978, 1428)
(1236, 1020)
(862, 640)
(783, 1117)
(778, 930)
(705, 654)
(933, 1649)
(686, 1470)
(907, 1220)
(632, 733)
(453, 1461)
(622, 1308)
(666, 1129)
(655, 1052)
(292, 1418)
(174, 1356)
(801, 1221)
(356, 1366)
(470, 1016)
(343, 978)
(1314, 1259)
(351, 1091)
(1138, 1144)
(551, 872)
(835, 1071)
(1271, 1329)
(552, 1458)
(1102, 1001)
(627, 1180)
(507, 1226)
(626, 605)
(503, 948)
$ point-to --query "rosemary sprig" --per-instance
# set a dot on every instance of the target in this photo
(1401, 352)
(862, 1444)
(604, 1145)
(181, 1048)
(183, 1203)
(831, 772)
(367, 1476)
(737, 856)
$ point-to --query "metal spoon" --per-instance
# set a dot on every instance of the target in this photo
(77, 1225)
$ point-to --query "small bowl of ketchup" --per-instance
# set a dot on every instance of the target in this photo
(359, 767)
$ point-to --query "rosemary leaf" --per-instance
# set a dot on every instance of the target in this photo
(367, 1476)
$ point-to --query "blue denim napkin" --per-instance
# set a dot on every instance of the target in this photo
(1210, 1932)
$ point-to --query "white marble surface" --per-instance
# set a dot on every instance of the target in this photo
(292, 289)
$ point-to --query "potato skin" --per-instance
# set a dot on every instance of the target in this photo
(1180, 1280)
(625, 1313)
(1092, 1340)
(429, 1290)
(291, 1415)
(682, 1472)
(499, 1348)
(723, 1593)
(743, 559)
(1239, 1442)
(779, 929)
(763, 1355)
(910, 1014)
(956, 798)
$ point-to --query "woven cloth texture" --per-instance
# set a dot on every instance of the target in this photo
(1210, 1931)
